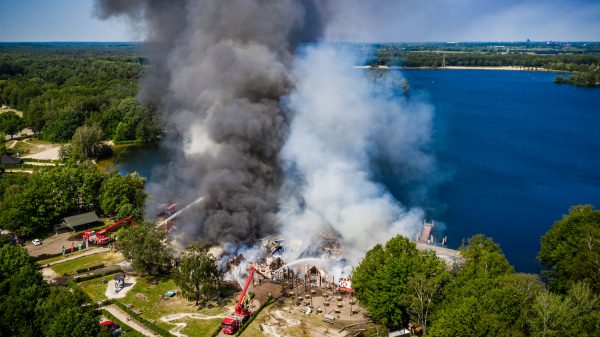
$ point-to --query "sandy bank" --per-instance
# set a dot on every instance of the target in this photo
(509, 68)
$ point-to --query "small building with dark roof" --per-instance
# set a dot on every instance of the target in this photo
(77, 221)
(10, 160)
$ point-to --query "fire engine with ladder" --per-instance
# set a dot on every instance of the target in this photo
(232, 324)
(102, 236)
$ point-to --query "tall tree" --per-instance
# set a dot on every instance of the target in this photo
(10, 123)
(485, 298)
(144, 245)
(197, 274)
(119, 192)
(87, 142)
(31, 307)
(382, 280)
(570, 250)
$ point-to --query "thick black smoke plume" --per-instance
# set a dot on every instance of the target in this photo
(222, 67)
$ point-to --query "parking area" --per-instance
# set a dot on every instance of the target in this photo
(53, 244)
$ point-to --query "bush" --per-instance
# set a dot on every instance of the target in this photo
(93, 276)
(94, 267)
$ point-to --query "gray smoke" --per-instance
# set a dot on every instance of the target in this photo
(221, 68)
(342, 120)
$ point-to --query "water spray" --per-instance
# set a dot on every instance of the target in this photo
(164, 222)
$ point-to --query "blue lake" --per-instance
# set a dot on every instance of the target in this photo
(521, 151)
(518, 151)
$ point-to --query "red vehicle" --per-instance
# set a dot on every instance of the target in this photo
(110, 324)
(101, 237)
(230, 325)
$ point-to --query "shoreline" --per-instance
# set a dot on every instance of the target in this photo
(504, 68)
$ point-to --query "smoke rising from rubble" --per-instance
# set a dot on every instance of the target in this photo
(222, 68)
(343, 118)
(222, 71)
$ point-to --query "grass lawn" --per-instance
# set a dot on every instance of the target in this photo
(148, 298)
(23, 148)
(108, 259)
(196, 327)
(95, 288)
(60, 257)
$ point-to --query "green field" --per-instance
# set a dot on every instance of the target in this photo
(60, 257)
(108, 259)
(149, 299)
(95, 288)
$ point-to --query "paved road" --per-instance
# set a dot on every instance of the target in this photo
(123, 317)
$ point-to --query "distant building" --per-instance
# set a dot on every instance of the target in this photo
(77, 221)
(10, 160)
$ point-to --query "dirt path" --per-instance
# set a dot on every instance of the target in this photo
(130, 281)
(49, 275)
(125, 318)
(180, 325)
(19, 171)
(51, 154)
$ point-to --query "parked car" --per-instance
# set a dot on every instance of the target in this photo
(110, 324)
(36, 242)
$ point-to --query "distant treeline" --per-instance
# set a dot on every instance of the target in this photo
(585, 67)
(61, 86)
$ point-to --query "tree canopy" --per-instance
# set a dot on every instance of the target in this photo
(570, 250)
(30, 203)
(10, 123)
(61, 88)
(388, 280)
(197, 274)
(31, 307)
(144, 245)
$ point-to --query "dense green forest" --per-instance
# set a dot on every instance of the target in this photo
(483, 295)
(30, 203)
(31, 307)
(59, 87)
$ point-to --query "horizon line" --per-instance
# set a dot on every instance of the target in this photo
(364, 42)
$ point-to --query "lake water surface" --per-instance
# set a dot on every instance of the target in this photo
(522, 150)
(518, 149)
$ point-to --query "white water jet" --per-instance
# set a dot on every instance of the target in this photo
(305, 260)
(162, 223)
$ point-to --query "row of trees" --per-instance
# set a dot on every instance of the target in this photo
(584, 66)
(589, 78)
(59, 90)
(484, 296)
(566, 62)
(31, 307)
(31, 203)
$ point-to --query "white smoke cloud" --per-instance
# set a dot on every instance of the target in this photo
(342, 118)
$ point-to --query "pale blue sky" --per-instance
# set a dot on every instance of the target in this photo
(57, 20)
(360, 20)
